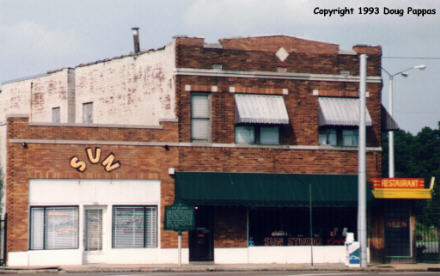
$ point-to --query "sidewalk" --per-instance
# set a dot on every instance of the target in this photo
(215, 267)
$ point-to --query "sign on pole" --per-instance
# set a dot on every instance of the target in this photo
(179, 217)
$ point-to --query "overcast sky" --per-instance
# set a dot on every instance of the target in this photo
(38, 36)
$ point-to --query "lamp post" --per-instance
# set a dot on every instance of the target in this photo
(390, 110)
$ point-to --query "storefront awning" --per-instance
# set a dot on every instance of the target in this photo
(270, 190)
(340, 112)
(260, 109)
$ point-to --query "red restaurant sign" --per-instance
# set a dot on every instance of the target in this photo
(398, 183)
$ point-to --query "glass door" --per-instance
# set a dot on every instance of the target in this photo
(93, 229)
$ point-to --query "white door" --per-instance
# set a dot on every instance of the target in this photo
(93, 234)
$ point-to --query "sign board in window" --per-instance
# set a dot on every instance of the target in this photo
(179, 217)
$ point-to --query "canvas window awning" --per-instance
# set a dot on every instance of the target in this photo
(340, 112)
(266, 190)
(260, 109)
(388, 122)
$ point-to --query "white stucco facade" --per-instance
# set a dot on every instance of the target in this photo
(94, 194)
(136, 90)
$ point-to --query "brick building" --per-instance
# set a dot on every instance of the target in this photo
(241, 130)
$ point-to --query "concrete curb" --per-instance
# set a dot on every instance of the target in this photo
(212, 268)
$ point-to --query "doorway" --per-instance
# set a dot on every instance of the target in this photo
(397, 229)
(93, 234)
(201, 239)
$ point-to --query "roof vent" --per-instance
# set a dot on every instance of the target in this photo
(135, 31)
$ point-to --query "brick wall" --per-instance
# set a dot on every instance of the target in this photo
(273, 43)
(51, 161)
(257, 54)
(301, 105)
(151, 162)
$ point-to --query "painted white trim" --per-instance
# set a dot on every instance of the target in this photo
(50, 124)
(183, 144)
(272, 75)
(115, 256)
(96, 125)
(280, 255)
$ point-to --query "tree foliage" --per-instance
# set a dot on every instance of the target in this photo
(418, 156)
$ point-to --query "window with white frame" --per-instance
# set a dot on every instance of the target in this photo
(257, 134)
(54, 228)
(134, 227)
(200, 117)
(338, 136)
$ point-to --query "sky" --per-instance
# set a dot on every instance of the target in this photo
(44, 35)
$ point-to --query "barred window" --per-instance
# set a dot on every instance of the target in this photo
(134, 227)
(54, 228)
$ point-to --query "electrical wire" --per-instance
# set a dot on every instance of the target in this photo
(425, 58)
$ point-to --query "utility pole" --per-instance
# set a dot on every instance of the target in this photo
(362, 179)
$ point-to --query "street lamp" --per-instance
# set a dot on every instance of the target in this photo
(390, 110)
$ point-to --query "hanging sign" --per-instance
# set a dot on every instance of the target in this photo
(402, 188)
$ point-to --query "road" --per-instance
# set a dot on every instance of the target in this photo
(251, 273)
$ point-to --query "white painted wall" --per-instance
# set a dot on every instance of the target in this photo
(280, 255)
(136, 90)
(92, 194)
(47, 91)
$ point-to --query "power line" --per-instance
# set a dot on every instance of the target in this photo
(425, 58)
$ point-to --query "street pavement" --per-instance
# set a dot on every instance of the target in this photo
(110, 268)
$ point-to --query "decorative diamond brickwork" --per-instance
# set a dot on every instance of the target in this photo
(282, 54)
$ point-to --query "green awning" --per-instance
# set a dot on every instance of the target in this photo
(263, 189)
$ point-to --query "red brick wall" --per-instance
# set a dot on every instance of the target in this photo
(152, 162)
(268, 160)
(52, 161)
(273, 43)
(301, 105)
(199, 57)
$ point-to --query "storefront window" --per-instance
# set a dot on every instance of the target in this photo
(135, 227)
(291, 226)
(54, 228)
